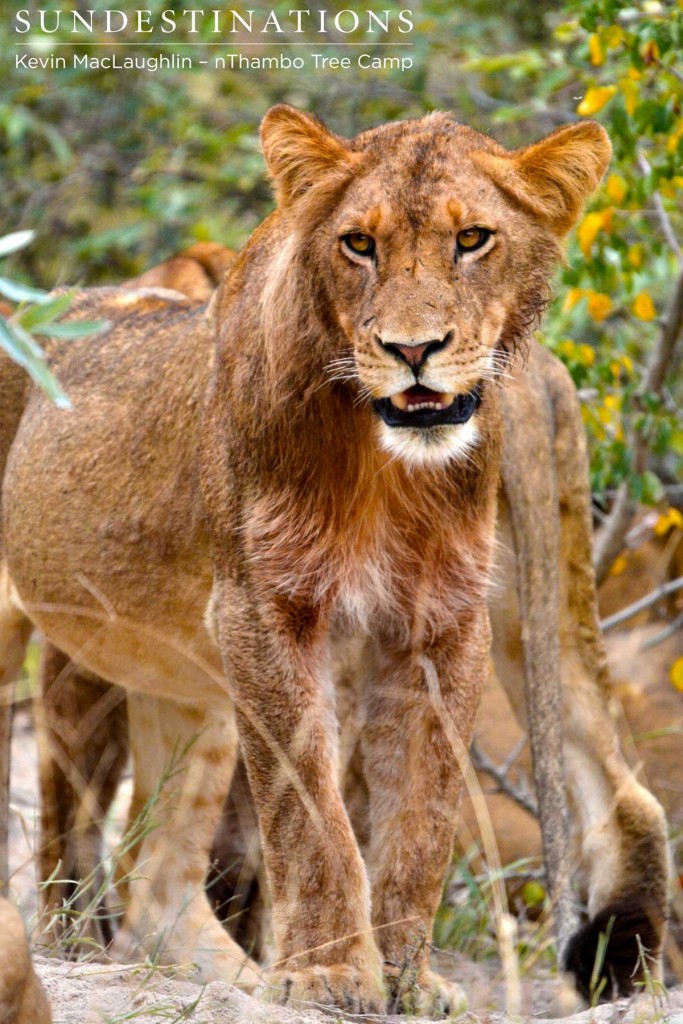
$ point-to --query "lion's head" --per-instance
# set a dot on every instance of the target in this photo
(434, 246)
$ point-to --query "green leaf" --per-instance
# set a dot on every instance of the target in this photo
(653, 490)
(21, 347)
(73, 329)
(17, 240)
(16, 292)
(51, 310)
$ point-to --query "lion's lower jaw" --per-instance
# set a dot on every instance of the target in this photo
(434, 446)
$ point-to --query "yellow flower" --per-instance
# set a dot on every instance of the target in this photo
(674, 136)
(650, 51)
(616, 188)
(595, 99)
(668, 186)
(573, 296)
(631, 93)
(635, 256)
(567, 348)
(599, 306)
(676, 674)
(586, 355)
(597, 54)
(591, 225)
(613, 402)
(613, 35)
(619, 365)
(672, 519)
(643, 307)
(619, 564)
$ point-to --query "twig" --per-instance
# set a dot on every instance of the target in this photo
(662, 215)
(610, 539)
(664, 356)
(663, 634)
(645, 602)
(519, 792)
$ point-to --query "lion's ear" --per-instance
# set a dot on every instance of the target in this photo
(555, 177)
(300, 152)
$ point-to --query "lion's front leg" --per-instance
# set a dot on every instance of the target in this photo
(418, 725)
(325, 950)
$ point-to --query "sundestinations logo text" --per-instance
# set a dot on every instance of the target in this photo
(213, 21)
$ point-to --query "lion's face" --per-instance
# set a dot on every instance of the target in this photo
(425, 278)
(434, 246)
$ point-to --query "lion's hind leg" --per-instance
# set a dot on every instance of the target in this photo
(620, 826)
(183, 760)
(15, 630)
(623, 827)
(83, 748)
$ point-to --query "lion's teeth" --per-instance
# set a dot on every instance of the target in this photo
(416, 406)
(401, 402)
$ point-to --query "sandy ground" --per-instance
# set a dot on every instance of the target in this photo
(95, 995)
(109, 994)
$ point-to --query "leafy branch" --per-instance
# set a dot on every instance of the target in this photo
(610, 539)
(38, 313)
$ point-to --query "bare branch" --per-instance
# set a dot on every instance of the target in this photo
(664, 634)
(517, 791)
(645, 602)
(662, 215)
(664, 356)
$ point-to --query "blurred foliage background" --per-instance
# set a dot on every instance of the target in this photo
(116, 171)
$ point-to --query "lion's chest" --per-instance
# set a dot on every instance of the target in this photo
(420, 575)
(423, 589)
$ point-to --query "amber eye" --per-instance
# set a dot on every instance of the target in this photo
(359, 243)
(471, 239)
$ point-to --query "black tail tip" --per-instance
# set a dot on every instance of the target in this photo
(634, 931)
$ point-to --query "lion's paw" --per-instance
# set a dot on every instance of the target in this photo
(429, 995)
(340, 986)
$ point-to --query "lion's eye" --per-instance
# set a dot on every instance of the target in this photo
(359, 243)
(471, 239)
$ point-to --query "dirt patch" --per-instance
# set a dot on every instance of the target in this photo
(93, 994)
(97, 993)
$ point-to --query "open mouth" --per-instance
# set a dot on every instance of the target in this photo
(421, 407)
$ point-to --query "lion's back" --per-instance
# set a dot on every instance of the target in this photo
(101, 501)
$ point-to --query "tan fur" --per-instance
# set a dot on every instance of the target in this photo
(22, 997)
(195, 272)
(305, 521)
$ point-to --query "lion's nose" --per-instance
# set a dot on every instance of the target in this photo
(415, 354)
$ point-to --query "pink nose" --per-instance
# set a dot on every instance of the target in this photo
(415, 355)
(412, 354)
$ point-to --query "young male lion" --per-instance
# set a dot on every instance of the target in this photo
(332, 468)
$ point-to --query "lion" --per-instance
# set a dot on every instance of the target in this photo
(315, 456)
(22, 996)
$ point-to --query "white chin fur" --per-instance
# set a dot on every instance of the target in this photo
(429, 447)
